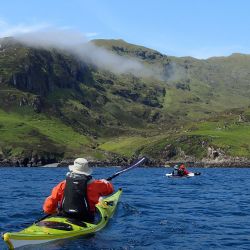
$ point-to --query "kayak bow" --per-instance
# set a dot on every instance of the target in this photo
(57, 227)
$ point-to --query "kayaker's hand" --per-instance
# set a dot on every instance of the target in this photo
(104, 180)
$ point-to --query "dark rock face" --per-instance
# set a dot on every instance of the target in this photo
(42, 71)
(35, 102)
(183, 86)
(34, 161)
(126, 93)
(170, 151)
(154, 117)
(213, 153)
(152, 102)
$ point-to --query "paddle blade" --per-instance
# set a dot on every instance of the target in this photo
(197, 173)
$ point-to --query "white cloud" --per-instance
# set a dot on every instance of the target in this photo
(45, 36)
(77, 44)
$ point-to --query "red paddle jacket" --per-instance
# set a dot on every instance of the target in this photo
(95, 189)
(183, 170)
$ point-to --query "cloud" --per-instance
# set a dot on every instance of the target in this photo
(78, 44)
(45, 35)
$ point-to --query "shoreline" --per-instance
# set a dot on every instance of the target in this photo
(236, 163)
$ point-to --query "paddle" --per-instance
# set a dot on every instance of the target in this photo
(197, 173)
(44, 217)
(133, 165)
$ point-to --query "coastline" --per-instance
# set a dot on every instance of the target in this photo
(205, 163)
(225, 164)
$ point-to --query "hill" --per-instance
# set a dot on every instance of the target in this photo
(54, 106)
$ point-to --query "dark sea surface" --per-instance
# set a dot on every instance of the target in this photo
(210, 211)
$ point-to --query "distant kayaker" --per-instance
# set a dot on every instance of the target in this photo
(182, 171)
(175, 170)
(77, 196)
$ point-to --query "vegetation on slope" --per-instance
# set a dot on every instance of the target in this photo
(51, 103)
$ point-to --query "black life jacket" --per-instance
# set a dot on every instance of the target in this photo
(75, 202)
(180, 172)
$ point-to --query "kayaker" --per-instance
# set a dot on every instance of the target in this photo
(77, 196)
(182, 171)
(175, 170)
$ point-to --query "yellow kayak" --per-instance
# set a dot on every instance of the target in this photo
(57, 227)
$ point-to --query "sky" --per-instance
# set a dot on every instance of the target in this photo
(197, 28)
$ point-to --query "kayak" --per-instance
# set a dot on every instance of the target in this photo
(57, 227)
(182, 176)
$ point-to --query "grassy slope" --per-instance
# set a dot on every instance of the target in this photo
(127, 146)
(228, 134)
(125, 126)
(39, 133)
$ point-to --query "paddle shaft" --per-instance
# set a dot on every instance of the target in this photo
(135, 164)
(44, 217)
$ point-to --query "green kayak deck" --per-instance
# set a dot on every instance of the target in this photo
(57, 227)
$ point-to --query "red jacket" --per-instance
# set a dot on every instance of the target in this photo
(183, 169)
(185, 172)
(95, 190)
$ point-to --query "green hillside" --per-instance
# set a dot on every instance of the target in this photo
(56, 106)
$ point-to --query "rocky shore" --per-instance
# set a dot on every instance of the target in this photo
(214, 164)
(229, 162)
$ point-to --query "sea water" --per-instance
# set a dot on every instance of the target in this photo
(210, 211)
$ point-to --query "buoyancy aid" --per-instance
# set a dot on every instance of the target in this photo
(75, 202)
